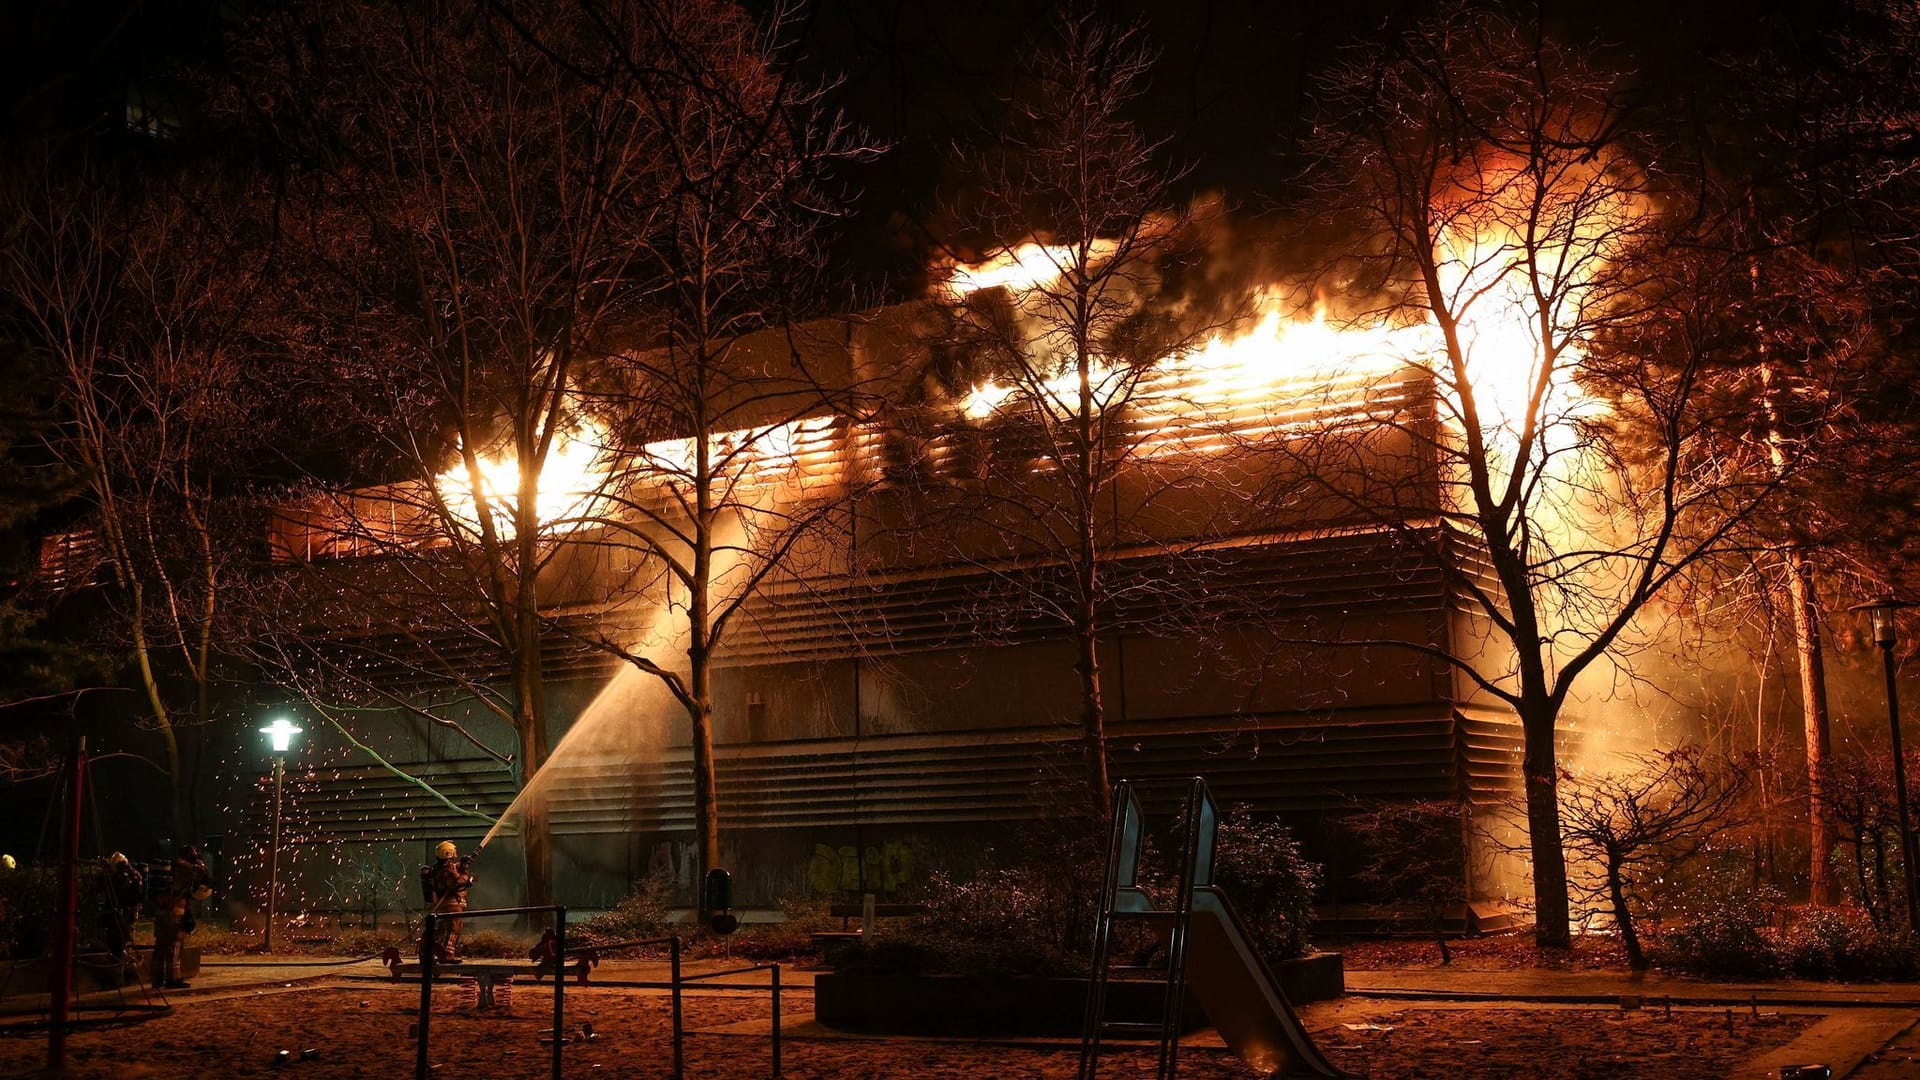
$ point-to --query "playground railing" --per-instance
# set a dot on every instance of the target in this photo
(427, 951)
(676, 984)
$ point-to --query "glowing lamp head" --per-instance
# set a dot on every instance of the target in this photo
(280, 734)
(1881, 614)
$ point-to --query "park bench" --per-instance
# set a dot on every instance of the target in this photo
(847, 912)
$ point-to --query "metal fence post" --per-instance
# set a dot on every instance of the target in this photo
(426, 997)
(559, 987)
(679, 1057)
(776, 1022)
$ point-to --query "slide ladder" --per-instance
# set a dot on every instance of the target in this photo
(1207, 951)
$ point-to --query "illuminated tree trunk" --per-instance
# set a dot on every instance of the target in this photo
(162, 717)
(1093, 722)
(530, 705)
(700, 643)
(1813, 703)
(706, 804)
(1813, 672)
(1623, 916)
(1093, 717)
(535, 831)
(1552, 922)
(128, 577)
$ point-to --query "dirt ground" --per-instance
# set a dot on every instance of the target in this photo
(364, 1032)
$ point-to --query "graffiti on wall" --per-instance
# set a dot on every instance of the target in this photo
(847, 869)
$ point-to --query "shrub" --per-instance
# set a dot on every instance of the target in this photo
(372, 942)
(1034, 916)
(1725, 929)
(1844, 944)
(1259, 866)
(27, 904)
(493, 944)
(1029, 916)
(642, 914)
(1001, 922)
(790, 938)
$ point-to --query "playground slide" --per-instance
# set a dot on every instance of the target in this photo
(1239, 993)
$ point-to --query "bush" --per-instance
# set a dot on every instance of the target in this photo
(493, 944)
(1725, 930)
(26, 909)
(1844, 944)
(1272, 886)
(997, 923)
(788, 939)
(1034, 916)
(1027, 916)
(639, 916)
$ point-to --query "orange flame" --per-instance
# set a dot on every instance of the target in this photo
(575, 472)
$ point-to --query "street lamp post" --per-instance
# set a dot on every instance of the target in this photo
(280, 735)
(1886, 636)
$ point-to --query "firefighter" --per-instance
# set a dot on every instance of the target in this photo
(125, 890)
(445, 883)
(173, 914)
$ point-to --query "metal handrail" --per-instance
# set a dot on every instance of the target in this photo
(677, 981)
(559, 913)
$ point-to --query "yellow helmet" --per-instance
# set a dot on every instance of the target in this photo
(117, 859)
(446, 850)
(7, 863)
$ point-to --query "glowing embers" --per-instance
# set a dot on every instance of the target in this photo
(572, 477)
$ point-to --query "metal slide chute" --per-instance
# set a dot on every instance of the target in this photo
(1208, 953)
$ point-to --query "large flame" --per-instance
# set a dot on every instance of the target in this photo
(752, 456)
(1498, 330)
(1019, 269)
(575, 472)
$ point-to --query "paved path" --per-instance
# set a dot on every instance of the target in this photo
(1609, 987)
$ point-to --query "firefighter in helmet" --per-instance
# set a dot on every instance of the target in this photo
(126, 889)
(187, 881)
(445, 882)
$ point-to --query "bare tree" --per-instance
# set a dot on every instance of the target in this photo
(1510, 207)
(1860, 792)
(1416, 853)
(1060, 329)
(733, 424)
(1635, 827)
(466, 224)
(134, 294)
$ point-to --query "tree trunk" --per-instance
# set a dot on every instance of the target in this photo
(1552, 927)
(706, 801)
(1813, 675)
(1880, 873)
(535, 836)
(1086, 616)
(1813, 705)
(1093, 720)
(162, 718)
(1623, 919)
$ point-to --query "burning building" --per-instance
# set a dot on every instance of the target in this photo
(899, 673)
